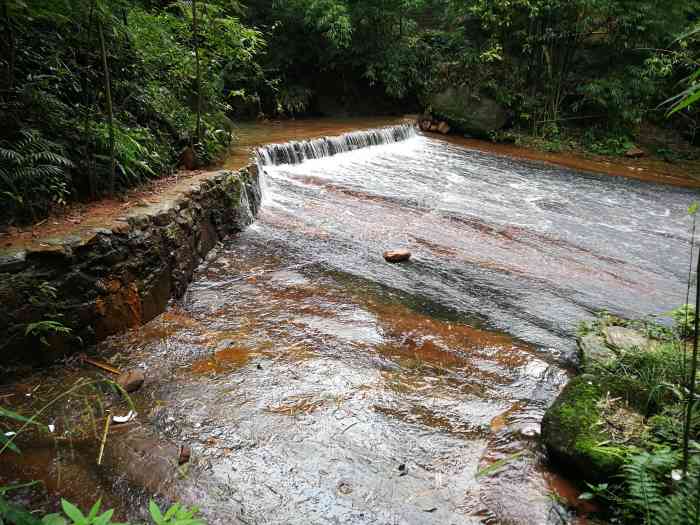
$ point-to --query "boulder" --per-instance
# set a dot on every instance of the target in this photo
(468, 112)
(395, 256)
(624, 339)
(131, 380)
(634, 153)
(443, 127)
(594, 350)
(572, 432)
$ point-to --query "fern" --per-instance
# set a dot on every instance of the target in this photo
(653, 493)
(682, 507)
(644, 474)
(32, 165)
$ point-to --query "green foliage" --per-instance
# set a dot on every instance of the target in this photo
(177, 514)
(72, 515)
(656, 490)
(607, 144)
(33, 173)
(42, 329)
(653, 488)
(683, 321)
(691, 95)
(53, 83)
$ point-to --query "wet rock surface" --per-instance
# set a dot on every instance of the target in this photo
(108, 280)
(304, 371)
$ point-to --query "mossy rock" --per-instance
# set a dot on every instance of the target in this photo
(593, 350)
(572, 431)
(469, 112)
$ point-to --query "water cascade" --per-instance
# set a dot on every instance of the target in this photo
(298, 151)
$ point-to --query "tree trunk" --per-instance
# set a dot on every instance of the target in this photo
(110, 113)
(195, 36)
(11, 47)
(693, 375)
(88, 159)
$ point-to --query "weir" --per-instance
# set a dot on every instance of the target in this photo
(296, 152)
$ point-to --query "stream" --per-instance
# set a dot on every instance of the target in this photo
(318, 384)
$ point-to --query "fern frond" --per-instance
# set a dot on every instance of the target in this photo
(645, 475)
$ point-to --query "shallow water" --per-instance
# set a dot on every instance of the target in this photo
(318, 384)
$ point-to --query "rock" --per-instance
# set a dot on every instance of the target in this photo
(443, 127)
(467, 112)
(13, 262)
(187, 159)
(395, 256)
(424, 124)
(622, 338)
(131, 380)
(571, 431)
(594, 349)
(634, 153)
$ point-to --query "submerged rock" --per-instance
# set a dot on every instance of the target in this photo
(132, 380)
(395, 256)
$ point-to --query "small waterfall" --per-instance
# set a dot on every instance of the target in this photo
(247, 215)
(297, 152)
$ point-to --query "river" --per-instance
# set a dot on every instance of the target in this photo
(318, 384)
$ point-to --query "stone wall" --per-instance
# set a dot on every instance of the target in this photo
(119, 277)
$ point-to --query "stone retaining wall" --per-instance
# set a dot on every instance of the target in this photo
(119, 277)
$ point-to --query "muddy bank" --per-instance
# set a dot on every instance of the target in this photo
(98, 281)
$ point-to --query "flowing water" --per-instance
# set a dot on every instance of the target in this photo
(318, 384)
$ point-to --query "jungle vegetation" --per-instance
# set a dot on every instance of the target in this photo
(97, 96)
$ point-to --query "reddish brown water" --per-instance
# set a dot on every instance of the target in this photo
(318, 384)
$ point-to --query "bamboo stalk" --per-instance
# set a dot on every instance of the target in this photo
(102, 366)
(110, 110)
(693, 376)
(108, 420)
(195, 36)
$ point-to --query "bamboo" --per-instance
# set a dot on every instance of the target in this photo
(104, 438)
(195, 36)
(693, 375)
(102, 366)
(110, 111)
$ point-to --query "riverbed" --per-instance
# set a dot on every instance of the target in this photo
(316, 383)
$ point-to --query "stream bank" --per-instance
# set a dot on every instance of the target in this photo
(64, 293)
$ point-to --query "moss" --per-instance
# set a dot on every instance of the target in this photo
(573, 431)
(232, 187)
